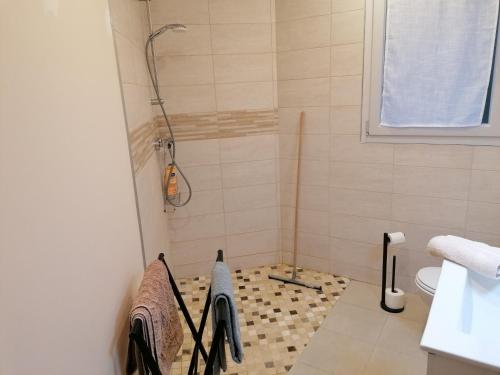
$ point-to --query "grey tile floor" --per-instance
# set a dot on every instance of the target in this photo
(359, 338)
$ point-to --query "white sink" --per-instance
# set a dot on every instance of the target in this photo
(464, 320)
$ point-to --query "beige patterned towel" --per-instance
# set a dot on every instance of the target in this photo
(155, 306)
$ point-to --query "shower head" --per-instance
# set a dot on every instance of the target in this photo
(176, 27)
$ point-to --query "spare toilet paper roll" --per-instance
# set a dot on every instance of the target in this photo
(397, 237)
(395, 300)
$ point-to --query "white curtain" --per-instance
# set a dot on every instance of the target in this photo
(438, 60)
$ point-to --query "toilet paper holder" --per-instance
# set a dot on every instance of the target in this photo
(396, 294)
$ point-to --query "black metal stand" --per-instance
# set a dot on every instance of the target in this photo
(150, 364)
(387, 240)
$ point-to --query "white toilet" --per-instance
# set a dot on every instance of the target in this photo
(427, 279)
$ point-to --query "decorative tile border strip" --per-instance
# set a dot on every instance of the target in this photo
(199, 126)
(228, 124)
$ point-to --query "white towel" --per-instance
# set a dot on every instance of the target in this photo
(477, 256)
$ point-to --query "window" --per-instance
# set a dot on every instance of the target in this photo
(461, 108)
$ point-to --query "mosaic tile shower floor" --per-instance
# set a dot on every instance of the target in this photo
(277, 320)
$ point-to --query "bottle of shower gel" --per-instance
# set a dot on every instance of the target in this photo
(172, 184)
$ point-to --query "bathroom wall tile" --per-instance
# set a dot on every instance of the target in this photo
(287, 219)
(197, 227)
(311, 197)
(288, 194)
(205, 177)
(248, 197)
(367, 177)
(197, 153)
(252, 261)
(346, 120)
(249, 173)
(487, 158)
(244, 149)
(304, 92)
(126, 60)
(490, 239)
(265, 241)
(432, 182)
(429, 211)
(180, 11)
(483, 218)
(235, 96)
(293, 9)
(201, 203)
(442, 156)
(347, 59)
(346, 90)
(189, 99)
(251, 220)
(315, 147)
(185, 70)
(309, 63)
(311, 221)
(315, 122)
(356, 253)
(418, 235)
(350, 148)
(313, 245)
(312, 263)
(240, 11)
(348, 27)
(360, 203)
(359, 229)
(193, 270)
(303, 33)
(346, 5)
(243, 68)
(241, 38)
(188, 252)
(195, 41)
(313, 173)
(137, 106)
(485, 186)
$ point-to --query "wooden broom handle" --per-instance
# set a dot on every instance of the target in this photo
(297, 190)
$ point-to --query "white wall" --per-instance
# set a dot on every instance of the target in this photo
(70, 252)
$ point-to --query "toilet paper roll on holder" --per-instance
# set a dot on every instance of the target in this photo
(396, 294)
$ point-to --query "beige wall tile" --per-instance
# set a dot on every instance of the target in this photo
(315, 147)
(243, 68)
(357, 253)
(360, 203)
(417, 235)
(197, 227)
(240, 11)
(241, 38)
(309, 63)
(201, 203)
(350, 148)
(485, 186)
(432, 182)
(367, 177)
(486, 158)
(447, 213)
(346, 5)
(189, 252)
(249, 173)
(293, 9)
(346, 90)
(252, 261)
(348, 27)
(250, 197)
(347, 59)
(303, 33)
(313, 172)
(346, 120)
(180, 11)
(195, 41)
(244, 149)
(311, 197)
(253, 95)
(316, 120)
(205, 177)
(311, 221)
(251, 220)
(490, 239)
(185, 70)
(433, 155)
(314, 245)
(359, 229)
(252, 243)
(126, 59)
(483, 218)
(137, 106)
(197, 153)
(304, 92)
(189, 99)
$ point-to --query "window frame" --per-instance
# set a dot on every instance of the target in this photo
(373, 62)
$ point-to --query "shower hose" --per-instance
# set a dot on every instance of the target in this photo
(171, 141)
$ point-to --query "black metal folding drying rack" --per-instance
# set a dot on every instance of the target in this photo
(150, 362)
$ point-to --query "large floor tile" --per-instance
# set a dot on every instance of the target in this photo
(388, 362)
(304, 369)
(402, 335)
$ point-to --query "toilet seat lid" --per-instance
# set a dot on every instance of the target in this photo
(428, 277)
